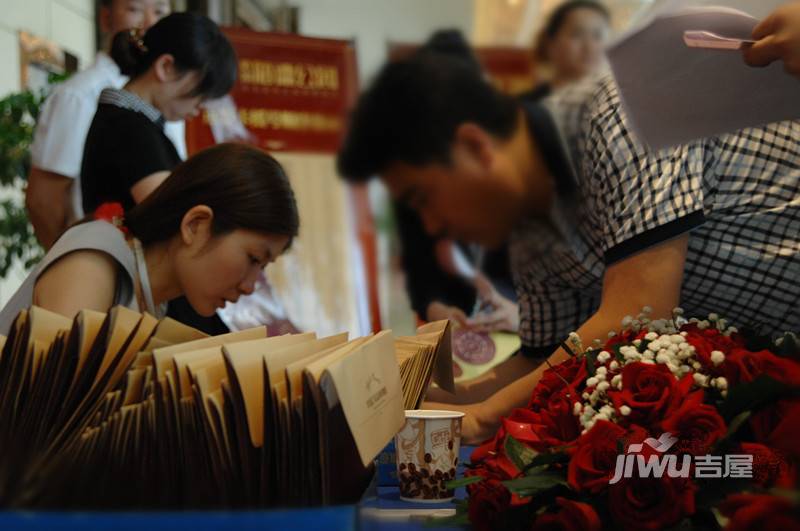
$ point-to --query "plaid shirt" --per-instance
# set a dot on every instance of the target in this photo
(737, 194)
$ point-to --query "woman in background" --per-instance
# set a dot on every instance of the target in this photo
(183, 60)
(570, 45)
(205, 234)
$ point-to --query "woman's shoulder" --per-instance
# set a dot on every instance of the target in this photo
(98, 236)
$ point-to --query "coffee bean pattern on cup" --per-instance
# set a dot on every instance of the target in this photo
(422, 482)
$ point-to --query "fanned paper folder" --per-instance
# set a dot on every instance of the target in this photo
(121, 411)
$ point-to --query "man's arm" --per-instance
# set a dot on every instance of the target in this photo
(651, 277)
(148, 185)
(47, 199)
(482, 387)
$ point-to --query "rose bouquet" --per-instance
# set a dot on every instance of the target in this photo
(670, 423)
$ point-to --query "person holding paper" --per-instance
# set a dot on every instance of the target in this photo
(206, 233)
(600, 225)
(777, 38)
(53, 195)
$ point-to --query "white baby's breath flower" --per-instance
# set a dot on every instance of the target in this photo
(713, 317)
(591, 382)
(700, 379)
(652, 336)
(616, 381)
(602, 370)
(717, 357)
(624, 411)
(603, 386)
(722, 383)
(577, 408)
(614, 365)
(603, 356)
(663, 358)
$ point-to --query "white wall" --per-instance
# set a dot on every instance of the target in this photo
(373, 23)
(68, 23)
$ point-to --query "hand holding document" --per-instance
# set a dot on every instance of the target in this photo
(681, 78)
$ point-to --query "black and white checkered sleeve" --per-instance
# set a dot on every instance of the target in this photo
(641, 197)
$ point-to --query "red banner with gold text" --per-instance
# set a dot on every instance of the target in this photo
(293, 93)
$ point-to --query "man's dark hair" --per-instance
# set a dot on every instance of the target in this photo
(412, 109)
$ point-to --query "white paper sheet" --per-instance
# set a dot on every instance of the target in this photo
(674, 94)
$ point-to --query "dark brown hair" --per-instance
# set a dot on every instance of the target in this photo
(244, 186)
(557, 19)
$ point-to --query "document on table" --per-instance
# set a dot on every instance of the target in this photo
(674, 93)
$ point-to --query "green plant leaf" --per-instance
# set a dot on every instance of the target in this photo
(463, 482)
(544, 459)
(750, 396)
(591, 362)
(520, 454)
(532, 484)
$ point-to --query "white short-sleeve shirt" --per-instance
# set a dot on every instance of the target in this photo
(65, 118)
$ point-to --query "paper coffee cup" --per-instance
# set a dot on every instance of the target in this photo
(427, 454)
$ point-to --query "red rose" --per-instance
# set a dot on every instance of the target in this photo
(751, 512)
(778, 426)
(697, 425)
(744, 366)
(650, 503)
(491, 454)
(651, 391)
(626, 337)
(556, 424)
(556, 378)
(592, 465)
(573, 516)
(488, 504)
(770, 468)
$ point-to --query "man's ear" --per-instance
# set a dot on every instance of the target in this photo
(196, 226)
(472, 142)
(164, 68)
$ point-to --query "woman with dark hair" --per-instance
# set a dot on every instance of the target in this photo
(570, 44)
(183, 60)
(205, 234)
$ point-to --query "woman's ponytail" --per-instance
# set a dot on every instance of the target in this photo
(128, 51)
